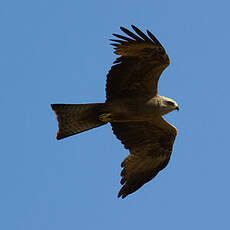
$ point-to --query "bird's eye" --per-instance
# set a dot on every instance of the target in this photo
(170, 103)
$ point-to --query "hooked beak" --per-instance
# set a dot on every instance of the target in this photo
(177, 108)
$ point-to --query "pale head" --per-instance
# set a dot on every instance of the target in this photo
(167, 105)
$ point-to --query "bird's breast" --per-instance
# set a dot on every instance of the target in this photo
(131, 110)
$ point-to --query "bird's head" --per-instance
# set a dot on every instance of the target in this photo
(167, 105)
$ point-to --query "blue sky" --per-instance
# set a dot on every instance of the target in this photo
(59, 52)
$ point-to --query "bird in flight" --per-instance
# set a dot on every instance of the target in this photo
(133, 107)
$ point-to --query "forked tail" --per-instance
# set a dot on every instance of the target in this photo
(77, 118)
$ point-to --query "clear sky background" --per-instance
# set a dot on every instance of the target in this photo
(55, 51)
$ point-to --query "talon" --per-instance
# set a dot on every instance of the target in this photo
(105, 117)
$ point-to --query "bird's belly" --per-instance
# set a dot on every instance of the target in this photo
(127, 111)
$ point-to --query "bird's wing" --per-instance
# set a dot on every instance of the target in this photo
(150, 145)
(137, 71)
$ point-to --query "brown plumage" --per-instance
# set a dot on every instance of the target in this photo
(133, 107)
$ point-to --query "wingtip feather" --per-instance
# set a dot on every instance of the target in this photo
(154, 39)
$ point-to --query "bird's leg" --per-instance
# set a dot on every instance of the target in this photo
(105, 117)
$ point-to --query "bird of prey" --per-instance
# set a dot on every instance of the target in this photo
(133, 107)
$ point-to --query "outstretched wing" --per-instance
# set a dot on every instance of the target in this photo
(150, 145)
(137, 71)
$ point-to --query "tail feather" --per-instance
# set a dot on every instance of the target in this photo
(77, 118)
